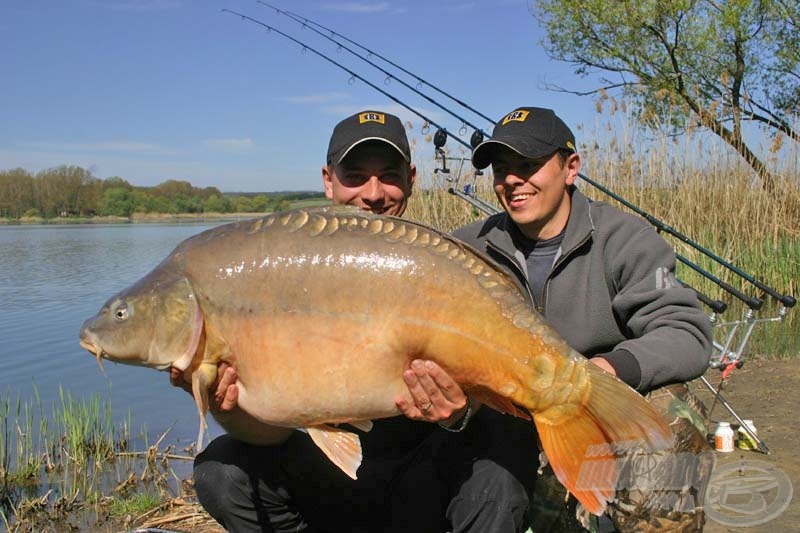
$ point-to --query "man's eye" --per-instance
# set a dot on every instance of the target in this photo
(391, 178)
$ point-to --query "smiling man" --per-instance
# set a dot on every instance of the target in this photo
(369, 164)
(602, 278)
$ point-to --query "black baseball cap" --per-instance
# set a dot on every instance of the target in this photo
(532, 132)
(367, 126)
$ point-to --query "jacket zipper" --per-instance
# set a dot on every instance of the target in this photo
(521, 274)
(558, 263)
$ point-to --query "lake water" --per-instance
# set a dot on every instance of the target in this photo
(52, 278)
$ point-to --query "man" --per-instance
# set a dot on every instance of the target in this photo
(282, 482)
(602, 278)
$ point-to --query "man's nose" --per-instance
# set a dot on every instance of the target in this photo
(510, 178)
(372, 190)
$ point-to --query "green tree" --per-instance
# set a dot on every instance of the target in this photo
(117, 201)
(16, 192)
(216, 204)
(172, 189)
(142, 201)
(713, 63)
(260, 203)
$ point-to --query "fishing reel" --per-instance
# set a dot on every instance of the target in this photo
(439, 140)
(474, 141)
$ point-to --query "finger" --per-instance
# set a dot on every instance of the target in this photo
(175, 376)
(450, 390)
(415, 388)
(406, 408)
(231, 398)
(226, 380)
(443, 406)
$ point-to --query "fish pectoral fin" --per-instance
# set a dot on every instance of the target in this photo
(342, 447)
(363, 425)
(202, 379)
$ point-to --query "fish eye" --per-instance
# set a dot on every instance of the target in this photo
(121, 312)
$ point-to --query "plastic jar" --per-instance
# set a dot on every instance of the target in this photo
(723, 437)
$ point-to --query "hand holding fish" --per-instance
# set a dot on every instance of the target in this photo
(226, 391)
(436, 396)
(604, 364)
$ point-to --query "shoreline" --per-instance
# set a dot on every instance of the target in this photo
(138, 218)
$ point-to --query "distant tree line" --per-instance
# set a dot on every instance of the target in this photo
(70, 191)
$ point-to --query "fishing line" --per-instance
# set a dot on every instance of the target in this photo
(352, 74)
(305, 24)
(478, 135)
(420, 81)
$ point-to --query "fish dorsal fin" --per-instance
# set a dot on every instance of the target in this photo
(342, 447)
(363, 425)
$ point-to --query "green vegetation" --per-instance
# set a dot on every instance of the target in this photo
(715, 64)
(714, 199)
(73, 461)
(70, 192)
(135, 504)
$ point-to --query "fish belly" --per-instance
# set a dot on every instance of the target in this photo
(304, 369)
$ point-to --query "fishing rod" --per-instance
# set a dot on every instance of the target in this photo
(389, 76)
(420, 81)
(443, 133)
(478, 134)
(785, 299)
(352, 74)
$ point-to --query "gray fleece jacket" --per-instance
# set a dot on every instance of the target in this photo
(611, 291)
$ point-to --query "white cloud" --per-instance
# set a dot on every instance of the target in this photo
(229, 144)
(359, 7)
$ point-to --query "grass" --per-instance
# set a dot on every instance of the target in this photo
(71, 461)
(135, 504)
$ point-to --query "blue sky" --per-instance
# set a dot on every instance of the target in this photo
(151, 90)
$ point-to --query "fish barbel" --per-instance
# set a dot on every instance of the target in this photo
(321, 310)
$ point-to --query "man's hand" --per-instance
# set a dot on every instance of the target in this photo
(436, 396)
(604, 364)
(226, 392)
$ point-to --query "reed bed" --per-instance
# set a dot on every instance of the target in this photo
(73, 466)
(693, 184)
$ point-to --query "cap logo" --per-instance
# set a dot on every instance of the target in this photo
(516, 116)
(571, 146)
(372, 117)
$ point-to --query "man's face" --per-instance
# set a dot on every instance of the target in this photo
(534, 192)
(373, 176)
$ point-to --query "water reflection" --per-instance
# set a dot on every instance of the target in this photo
(54, 277)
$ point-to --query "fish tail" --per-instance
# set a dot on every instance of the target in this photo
(583, 441)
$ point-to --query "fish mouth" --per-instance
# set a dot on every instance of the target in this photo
(97, 351)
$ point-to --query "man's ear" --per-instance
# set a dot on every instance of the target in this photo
(412, 176)
(573, 165)
(327, 181)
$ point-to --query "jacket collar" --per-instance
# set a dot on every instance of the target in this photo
(579, 227)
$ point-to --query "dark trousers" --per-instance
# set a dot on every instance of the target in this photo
(480, 480)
